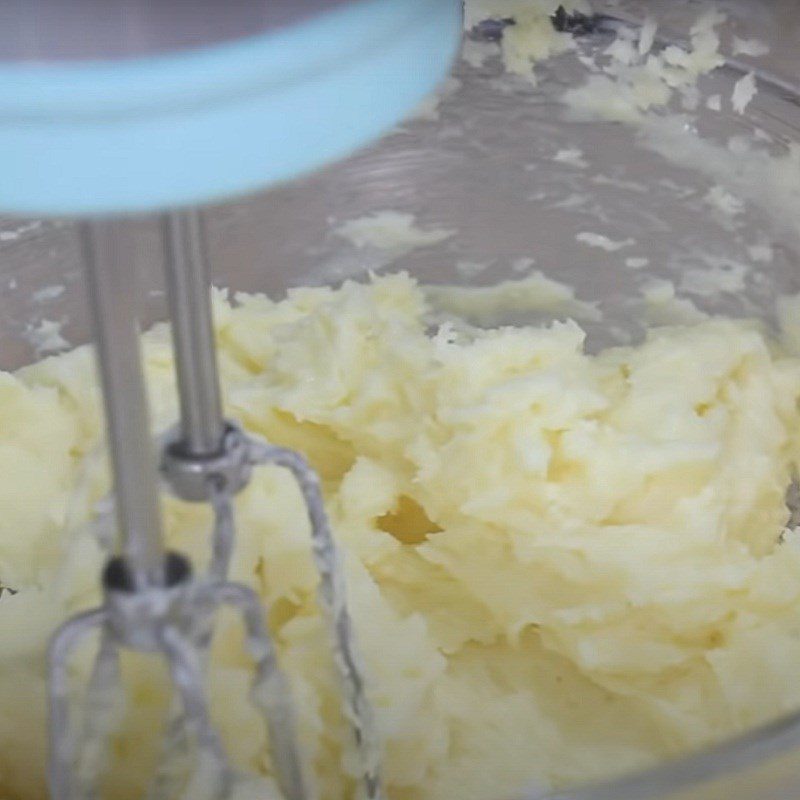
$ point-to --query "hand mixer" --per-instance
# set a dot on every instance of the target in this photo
(112, 109)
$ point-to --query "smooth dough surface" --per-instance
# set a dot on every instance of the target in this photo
(561, 566)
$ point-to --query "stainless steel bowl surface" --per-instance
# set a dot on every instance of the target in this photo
(484, 165)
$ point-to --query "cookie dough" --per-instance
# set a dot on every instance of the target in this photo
(561, 566)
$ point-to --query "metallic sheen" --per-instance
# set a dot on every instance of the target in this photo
(188, 287)
(109, 249)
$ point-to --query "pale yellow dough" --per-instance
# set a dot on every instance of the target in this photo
(561, 566)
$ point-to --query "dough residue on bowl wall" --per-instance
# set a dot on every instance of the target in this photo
(45, 336)
(394, 231)
(492, 305)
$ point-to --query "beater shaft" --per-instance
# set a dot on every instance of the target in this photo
(188, 282)
(109, 255)
(205, 452)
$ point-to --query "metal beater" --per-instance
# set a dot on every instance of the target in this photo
(152, 601)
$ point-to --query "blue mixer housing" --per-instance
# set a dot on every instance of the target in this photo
(98, 137)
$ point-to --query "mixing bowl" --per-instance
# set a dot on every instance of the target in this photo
(517, 181)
